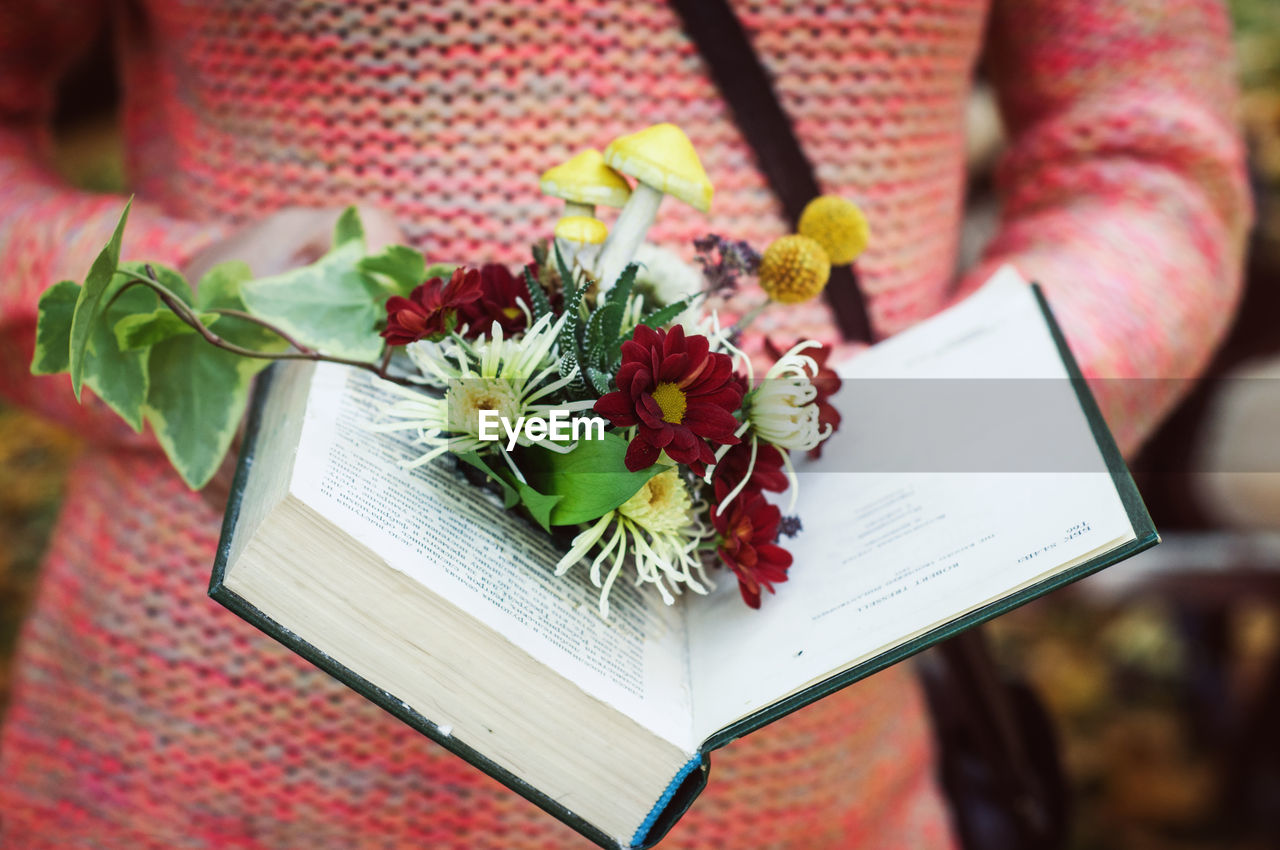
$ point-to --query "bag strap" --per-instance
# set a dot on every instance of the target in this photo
(745, 85)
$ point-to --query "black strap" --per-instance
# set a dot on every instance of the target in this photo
(745, 85)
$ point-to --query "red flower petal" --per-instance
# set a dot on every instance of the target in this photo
(615, 407)
(640, 455)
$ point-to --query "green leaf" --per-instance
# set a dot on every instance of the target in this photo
(168, 278)
(349, 228)
(616, 304)
(120, 378)
(444, 271)
(571, 334)
(568, 363)
(97, 289)
(595, 328)
(539, 505)
(663, 315)
(541, 304)
(117, 377)
(599, 380)
(141, 330)
(220, 288)
(510, 496)
(402, 266)
(566, 274)
(53, 328)
(591, 480)
(329, 305)
(197, 395)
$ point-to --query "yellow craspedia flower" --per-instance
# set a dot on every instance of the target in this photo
(793, 269)
(838, 226)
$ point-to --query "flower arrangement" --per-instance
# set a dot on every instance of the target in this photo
(600, 391)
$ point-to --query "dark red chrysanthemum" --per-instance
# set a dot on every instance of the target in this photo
(766, 474)
(678, 392)
(748, 529)
(826, 382)
(431, 310)
(499, 292)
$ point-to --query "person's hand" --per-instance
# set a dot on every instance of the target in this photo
(283, 240)
(288, 238)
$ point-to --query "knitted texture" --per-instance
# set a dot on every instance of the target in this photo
(145, 716)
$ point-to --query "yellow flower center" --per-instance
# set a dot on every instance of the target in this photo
(661, 505)
(794, 269)
(671, 399)
(511, 312)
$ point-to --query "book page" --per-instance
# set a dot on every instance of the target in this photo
(964, 469)
(457, 540)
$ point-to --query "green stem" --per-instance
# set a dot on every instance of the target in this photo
(187, 315)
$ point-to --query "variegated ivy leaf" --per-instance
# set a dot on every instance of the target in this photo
(198, 393)
(141, 330)
(99, 285)
(119, 378)
(399, 268)
(330, 305)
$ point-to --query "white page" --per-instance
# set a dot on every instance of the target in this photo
(458, 541)
(903, 534)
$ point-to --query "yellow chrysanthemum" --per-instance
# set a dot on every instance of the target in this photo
(838, 226)
(793, 269)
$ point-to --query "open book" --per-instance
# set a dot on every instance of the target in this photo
(972, 473)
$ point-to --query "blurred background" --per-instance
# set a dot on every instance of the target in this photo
(1162, 676)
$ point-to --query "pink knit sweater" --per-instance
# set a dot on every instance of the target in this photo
(146, 716)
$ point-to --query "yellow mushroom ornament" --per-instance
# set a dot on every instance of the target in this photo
(663, 162)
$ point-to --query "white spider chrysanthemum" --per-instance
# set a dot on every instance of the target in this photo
(510, 376)
(782, 410)
(659, 529)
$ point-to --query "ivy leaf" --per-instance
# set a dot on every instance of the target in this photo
(591, 480)
(116, 376)
(170, 279)
(98, 286)
(221, 289)
(329, 305)
(141, 330)
(197, 395)
(53, 328)
(444, 271)
(198, 392)
(403, 267)
(349, 228)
